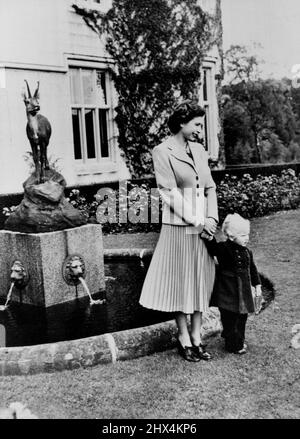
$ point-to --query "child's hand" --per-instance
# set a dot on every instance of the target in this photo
(258, 299)
(258, 291)
(206, 235)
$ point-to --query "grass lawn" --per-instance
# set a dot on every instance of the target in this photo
(263, 384)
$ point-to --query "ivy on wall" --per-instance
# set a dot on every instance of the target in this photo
(158, 47)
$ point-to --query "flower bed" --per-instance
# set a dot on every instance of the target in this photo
(253, 197)
(133, 208)
(249, 196)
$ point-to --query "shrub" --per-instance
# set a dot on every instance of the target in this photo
(248, 196)
(6, 211)
(158, 47)
(114, 206)
(260, 196)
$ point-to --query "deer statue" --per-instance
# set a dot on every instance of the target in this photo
(38, 131)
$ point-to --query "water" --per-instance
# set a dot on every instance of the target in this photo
(24, 325)
(3, 307)
(28, 325)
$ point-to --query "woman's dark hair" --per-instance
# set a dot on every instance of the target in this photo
(183, 113)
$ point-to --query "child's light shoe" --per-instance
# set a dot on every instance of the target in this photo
(241, 351)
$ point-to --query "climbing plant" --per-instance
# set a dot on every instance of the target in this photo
(158, 47)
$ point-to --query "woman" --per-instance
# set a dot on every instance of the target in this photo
(181, 274)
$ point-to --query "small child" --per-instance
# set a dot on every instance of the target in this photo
(235, 277)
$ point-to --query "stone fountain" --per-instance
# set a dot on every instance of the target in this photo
(48, 252)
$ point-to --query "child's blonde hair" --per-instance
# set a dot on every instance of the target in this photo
(233, 224)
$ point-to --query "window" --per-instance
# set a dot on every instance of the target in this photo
(90, 114)
(209, 101)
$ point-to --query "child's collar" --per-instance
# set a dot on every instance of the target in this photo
(234, 244)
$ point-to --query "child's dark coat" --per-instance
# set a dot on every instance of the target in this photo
(234, 276)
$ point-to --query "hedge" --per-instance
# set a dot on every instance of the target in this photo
(130, 207)
(249, 195)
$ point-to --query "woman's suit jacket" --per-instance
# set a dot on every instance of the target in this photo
(185, 185)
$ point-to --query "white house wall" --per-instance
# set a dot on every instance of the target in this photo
(32, 32)
(53, 86)
(37, 37)
(82, 39)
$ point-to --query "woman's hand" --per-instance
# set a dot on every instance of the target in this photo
(210, 226)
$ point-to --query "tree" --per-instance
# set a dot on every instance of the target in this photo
(237, 133)
(293, 152)
(158, 46)
(272, 148)
(240, 65)
(267, 120)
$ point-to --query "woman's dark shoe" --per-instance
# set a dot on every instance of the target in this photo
(202, 353)
(187, 353)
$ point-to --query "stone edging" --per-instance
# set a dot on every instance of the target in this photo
(120, 253)
(100, 349)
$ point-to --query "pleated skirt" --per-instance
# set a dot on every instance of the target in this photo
(181, 273)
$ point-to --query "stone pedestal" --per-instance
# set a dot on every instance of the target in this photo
(43, 255)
